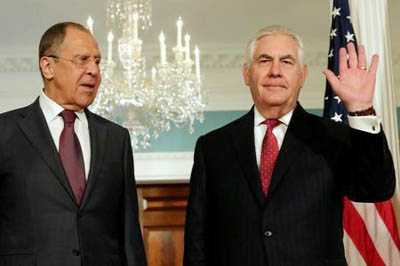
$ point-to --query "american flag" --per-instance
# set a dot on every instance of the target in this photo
(371, 234)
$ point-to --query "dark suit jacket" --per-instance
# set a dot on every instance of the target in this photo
(40, 221)
(230, 223)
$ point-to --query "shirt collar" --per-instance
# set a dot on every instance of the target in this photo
(51, 109)
(258, 118)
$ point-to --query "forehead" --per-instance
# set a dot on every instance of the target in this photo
(277, 44)
(77, 41)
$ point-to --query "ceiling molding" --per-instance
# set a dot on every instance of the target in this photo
(18, 64)
(209, 60)
(13, 61)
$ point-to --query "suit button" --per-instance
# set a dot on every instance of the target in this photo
(268, 233)
(76, 252)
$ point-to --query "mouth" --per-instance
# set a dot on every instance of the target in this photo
(274, 86)
(88, 86)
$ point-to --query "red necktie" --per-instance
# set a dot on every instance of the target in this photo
(71, 155)
(269, 154)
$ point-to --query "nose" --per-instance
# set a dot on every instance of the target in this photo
(92, 68)
(275, 69)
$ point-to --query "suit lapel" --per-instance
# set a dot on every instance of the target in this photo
(243, 140)
(37, 132)
(297, 137)
(98, 136)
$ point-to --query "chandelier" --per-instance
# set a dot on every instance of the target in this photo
(147, 104)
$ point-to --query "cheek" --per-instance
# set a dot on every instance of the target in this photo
(256, 83)
(295, 90)
(296, 79)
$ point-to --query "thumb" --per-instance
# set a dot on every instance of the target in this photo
(332, 79)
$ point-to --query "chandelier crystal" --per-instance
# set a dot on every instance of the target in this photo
(147, 104)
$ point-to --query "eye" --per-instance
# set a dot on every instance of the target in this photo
(97, 60)
(287, 62)
(82, 60)
(264, 60)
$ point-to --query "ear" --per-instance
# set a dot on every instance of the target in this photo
(246, 74)
(304, 73)
(47, 68)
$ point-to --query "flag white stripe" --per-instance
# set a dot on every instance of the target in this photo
(379, 233)
(353, 256)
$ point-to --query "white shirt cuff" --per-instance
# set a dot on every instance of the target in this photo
(368, 123)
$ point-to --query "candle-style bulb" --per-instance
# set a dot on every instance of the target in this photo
(135, 18)
(187, 37)
(187, 47)
(197, 63)
(90, 24)
(110, 37)
(196, 50)
(179, 25)
(163, 49)
(153, 73)
(162, 37)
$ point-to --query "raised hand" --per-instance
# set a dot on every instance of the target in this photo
(355, 84)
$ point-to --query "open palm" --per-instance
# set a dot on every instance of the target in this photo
(355, 84)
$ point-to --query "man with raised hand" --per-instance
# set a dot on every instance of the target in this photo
(268, 188)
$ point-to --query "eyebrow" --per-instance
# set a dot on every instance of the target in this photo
(95, 56)
(285, 56)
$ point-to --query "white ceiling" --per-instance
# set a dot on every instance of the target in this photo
(22, 22)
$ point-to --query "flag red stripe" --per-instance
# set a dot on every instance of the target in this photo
(386, 212)
(355, 227)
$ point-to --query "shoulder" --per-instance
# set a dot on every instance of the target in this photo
(221, 138)
(245, 121)
(15, 115)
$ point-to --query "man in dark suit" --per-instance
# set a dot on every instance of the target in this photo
(268, 188)
(67, 187)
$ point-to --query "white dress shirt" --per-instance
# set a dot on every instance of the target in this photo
(369, 124)
(55, 122)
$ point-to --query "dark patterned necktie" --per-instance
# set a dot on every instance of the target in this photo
(71, 155)
(269, 154)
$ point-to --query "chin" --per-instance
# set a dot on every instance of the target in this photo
(275, 101)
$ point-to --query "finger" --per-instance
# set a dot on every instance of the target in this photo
(351, 50)
(374, 64)
(342, 60)
(332, 79)
(362, 62)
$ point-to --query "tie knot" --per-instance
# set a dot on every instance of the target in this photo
(68, 116)
(271, 123)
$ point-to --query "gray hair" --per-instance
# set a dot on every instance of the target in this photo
(274, 30)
